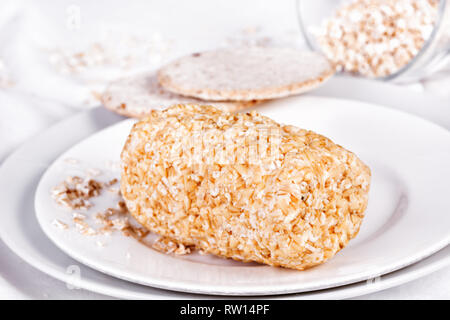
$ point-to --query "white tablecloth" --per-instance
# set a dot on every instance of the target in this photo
(55, 56)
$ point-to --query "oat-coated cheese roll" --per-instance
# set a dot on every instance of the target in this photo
(242, 186)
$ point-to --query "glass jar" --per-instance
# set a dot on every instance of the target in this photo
(432, 56)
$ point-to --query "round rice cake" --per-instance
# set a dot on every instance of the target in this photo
(194, 174)
(136, 96)
(246, 74)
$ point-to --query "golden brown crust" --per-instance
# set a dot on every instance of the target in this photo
(242, 186)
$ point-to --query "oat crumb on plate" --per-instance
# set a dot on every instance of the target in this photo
(74, 193)
(59, 224)
(167, 245)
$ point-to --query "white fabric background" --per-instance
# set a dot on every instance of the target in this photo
(35, 92)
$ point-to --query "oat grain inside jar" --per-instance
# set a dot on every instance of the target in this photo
(400, 40)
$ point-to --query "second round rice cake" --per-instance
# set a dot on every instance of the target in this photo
(245, 74)
(136, 96)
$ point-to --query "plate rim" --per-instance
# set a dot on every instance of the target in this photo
(230, 290)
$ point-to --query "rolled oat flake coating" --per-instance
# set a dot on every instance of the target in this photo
(242, 186)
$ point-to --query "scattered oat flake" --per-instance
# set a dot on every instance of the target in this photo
(167, 245)
(83, 227)
(75, 192)
(59, 224)
(77, 215)
(108, 52)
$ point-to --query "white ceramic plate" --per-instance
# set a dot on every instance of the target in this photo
(405, 220)
(20, 173)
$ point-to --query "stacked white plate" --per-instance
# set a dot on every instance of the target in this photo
(405, 233)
